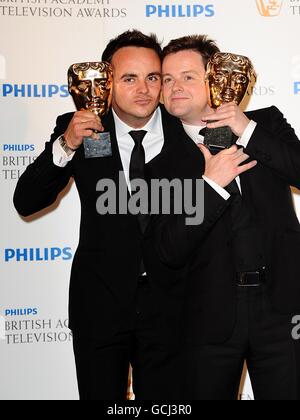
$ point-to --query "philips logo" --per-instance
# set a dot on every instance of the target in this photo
(37, 254)
(18, 148)
(21, 312)
(33, 91)
(180, 11)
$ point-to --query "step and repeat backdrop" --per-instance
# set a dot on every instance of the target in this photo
(39, 39)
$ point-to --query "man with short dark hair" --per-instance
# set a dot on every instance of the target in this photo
(243, 285)
(123, 306)
(202, 44)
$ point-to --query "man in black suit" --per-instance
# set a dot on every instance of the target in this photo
(242, 271)
(123, 306)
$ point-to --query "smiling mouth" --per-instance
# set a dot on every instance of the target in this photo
(179, 99)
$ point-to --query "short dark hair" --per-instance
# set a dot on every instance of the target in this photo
(199, 43)
(132, 38)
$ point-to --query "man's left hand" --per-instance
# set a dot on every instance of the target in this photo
(228, 115)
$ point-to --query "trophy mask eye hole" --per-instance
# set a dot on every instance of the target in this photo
(241, 79)
(103, 84)
(83, 86)
(219, 78)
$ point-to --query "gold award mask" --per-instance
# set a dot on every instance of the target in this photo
(91, 86)
(228, 77)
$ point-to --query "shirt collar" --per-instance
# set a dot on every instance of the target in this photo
(193, 132)
(153, 126)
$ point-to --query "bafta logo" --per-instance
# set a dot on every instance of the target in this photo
(269, 8)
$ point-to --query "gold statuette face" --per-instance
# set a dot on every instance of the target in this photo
(90, 85)
(228, 77)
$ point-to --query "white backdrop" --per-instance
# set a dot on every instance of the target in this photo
(39, 40)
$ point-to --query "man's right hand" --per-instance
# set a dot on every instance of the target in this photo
(224, 167)
(83, 124)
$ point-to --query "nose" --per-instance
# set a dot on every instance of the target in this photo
(177, 86)
(143, 87)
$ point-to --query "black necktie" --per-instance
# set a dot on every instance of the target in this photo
(239, 213)
(137, 169)
(202, 132)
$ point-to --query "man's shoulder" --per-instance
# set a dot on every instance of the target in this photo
(264, 114)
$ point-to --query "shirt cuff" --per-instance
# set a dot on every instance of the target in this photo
(246, 137)
(221, 191)
(60, 157)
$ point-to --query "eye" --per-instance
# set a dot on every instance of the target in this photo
(188, 78)
(154, 78)
(129, 80)
(167, 80)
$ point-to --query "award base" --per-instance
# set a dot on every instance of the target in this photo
(97, 148)
(218, 139)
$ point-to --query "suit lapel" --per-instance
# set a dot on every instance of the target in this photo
(247, 179)
(114, 167)
(169, 131)
(109, 124)
(176, 141)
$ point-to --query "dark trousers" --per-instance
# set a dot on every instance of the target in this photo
(103, 367)
(263, 338)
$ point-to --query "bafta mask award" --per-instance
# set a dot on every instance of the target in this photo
(228, 77)
(90, 85)
(269, 8)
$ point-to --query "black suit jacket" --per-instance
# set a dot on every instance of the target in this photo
(205, 250)
(107, 262)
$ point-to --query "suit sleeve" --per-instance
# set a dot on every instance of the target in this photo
(176, 241)
(276, 146)
(42, 181)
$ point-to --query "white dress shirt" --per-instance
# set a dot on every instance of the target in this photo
(193, 132)
(153, 144)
